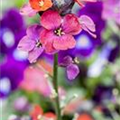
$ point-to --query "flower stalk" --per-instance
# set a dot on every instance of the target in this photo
(55, 83)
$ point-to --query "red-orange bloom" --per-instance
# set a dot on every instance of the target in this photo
(40, 5)
(84, 116)
(37, 114)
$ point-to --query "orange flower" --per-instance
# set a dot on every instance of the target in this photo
(84, 116)
(37, 114)
(40, 5)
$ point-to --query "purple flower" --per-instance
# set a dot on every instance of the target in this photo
(71, 68)
(11, 75)
(85, 43)
(84, 47)
(94, 11)
(31, 43)
(102, 93)
(12, 66)
(12, 29)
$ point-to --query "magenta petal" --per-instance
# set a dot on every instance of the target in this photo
(72, 71)
(51, 19)
(27, 10)
(47, 38)
(33, 31)
(67, 60)
(71, 24)
(26, 44)
(34, 54)
(64, 42)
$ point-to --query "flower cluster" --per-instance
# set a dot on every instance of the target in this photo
(54, 33)
(37, 114)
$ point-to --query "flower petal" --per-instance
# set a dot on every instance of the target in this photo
(51, 19)
(37, 110)
(64, 42)
(26, 44)
(34, 54)
(47, 38)
(87, 25)
(67, 60)
(33, 31)
(88, 22)
(71, 24)
(72, 71)
(28, 11)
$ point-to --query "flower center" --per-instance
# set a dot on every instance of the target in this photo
(38, 44)
(41, 3)
(59, 32)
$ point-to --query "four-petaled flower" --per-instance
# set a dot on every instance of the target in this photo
(40, 5)
(31, 43)
(37, 114)
(71, 68)
(58, 32)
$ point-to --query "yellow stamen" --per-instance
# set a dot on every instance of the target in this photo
(59, 32)
(41, 3)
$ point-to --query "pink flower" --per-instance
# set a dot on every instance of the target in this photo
(37, 81)
(111, 10)
(31, 43)
(27, 10)
(58, 32)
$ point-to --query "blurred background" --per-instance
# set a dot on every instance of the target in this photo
(94, 95)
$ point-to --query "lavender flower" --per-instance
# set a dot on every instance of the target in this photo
(21, 104)
(111, 10)
(31, 43)
(71, 67)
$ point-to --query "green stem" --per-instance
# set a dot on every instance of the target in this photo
(55, 83)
